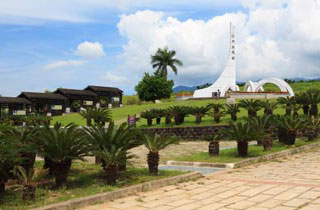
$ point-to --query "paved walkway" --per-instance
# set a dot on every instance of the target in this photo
(284, 184)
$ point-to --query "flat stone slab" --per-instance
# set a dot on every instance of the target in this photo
(202, 170)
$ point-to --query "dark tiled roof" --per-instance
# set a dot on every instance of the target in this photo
(75, 92)
(43, 95)
(13, 100)
(105, 89)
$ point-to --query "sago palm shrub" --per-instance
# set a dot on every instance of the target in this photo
(288, 103)
(232, 109)
(88, 114)
(122, 136)
(213, 147)
(149, 115)
(251, 105)
(199, 112)
(216, 107)
(62, 145)
(179, 113)
(261, 127)
(101, 115)
(269, 107)
(158, 113)
(313, 126)
(156, 143)
(241, 132)
(304, 100)
(314, 98)
(290, 125)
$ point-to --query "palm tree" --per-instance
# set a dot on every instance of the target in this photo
(163, 59)
(269, 107)
(242, 133)
(199, 112)
(232, 109)
(304, 100)
(88, 114)
(122, 137)
(179, 113)
(216, 107)
(261, 127)
(159, 113)
(154, 144)
(288, 102)
(112, 158)
(314, 97)
(101, 115)
(290, 125)
(252, 105)
(62, 145)
(313, 128)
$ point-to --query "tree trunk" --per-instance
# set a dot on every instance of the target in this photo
(168, 120)
(177, 120)
(48, 165)
(149, 121)
(290, 138)
(158, 120)
(268, 143)
(305, 109)
(28, 160)
(217, 119)
(214, 148)
(311, 136)
(288, 110)
(234, 117)
(2, 187)
(61, 170)
(242, 148)
(314, 110)
(29, 193)
(89, 122)
(153, 163)
(112, 174)
(252, 113)
(198, 119)
(97, 160)
(282, 133)
(123, 165)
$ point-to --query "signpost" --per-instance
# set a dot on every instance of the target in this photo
(132, 120)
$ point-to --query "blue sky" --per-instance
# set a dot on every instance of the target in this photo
(48, 45)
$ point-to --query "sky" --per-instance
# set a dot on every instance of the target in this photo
(74, 43)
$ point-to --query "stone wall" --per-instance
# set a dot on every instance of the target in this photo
(199, 132)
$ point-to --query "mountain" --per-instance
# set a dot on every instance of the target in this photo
(183, 88)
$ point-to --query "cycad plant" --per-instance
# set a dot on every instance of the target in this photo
(217, 116)
(241, 132)
(149, 115)
(314, 98)
(261, 127)
(62, 145)
(304, 100)
(251, 105)
(168, 116)
(290, 125)
(88, 114)
(179, 113)
(213, 147)
(199, 112)
(112, 158)
(269, 107)
(158, 114)
(101, 115)
(155, 143)
(216, 107)
(288, 102)
(232, 109)
(121, 136)
(313, 127)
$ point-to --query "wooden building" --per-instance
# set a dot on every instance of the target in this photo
(107, 95)
(14, 105)
(45, 103)
(77, 98)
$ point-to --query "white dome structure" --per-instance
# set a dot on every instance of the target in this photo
(258, 86)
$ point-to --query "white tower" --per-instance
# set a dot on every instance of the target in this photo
(227, 79)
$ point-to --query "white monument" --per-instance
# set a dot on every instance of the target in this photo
(227, 79)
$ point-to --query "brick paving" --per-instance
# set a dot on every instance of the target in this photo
(284, 184)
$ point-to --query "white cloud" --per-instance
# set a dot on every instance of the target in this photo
(273, 39)
(90, 50)
(64, 63)
(115, 79)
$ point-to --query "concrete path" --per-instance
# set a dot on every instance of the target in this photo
(284, 184)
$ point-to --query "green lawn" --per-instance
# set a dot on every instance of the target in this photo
(84, 180)
(231, 155)
(120, 114)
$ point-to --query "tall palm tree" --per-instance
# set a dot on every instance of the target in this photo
(163, 59)
(232, 109)
(155, 143)
(252, 105)
(62, 145)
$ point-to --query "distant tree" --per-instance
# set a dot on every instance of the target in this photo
(203, 86)
(153, 87)
(47, 91)
(163, 59)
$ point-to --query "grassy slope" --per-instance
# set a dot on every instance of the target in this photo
(120, 114)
